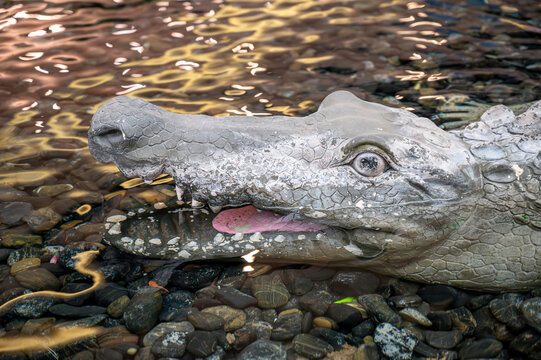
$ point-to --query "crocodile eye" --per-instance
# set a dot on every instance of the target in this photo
(369, 164)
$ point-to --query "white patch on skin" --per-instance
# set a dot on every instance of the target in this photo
(184, 254)
(237, 237)
(173, 241)
(219, 238)
(160, 205)
(360, 204)
(115, 229)
(116, 218)
(316, 214)
(256, 237)
(155, 241)
(139, 242)
(518, 170)
(353, 249)
(279, 238)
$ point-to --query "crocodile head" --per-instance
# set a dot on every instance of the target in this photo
(354, 184)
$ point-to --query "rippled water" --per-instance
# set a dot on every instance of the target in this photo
(59, 60)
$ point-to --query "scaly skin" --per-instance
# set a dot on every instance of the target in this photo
(460, 208)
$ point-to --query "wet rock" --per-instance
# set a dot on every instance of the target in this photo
(261, 329)
(270, 291)
(115, 271)
(324, 322)
(206, 321)
(174, 303)
(443, 339)
(243, 337)
(364, 329)
(527, 343)
(116, 308)
(143, 311)
(269, 315)
(316, 301)
(531, 310)
(415, 316)
(4, 254)
(404, 301)
(233, 318)
(402, 288)
(232, 276)
(183, 327)
(366, 352)
(42, 219)
(345, 316)
(12, 213)
(376, 306)
(287, 325)
(334, 338)
(25, 264)
(83, 355)
(354, 283)
(23, 253)
(8, 193)
(108, 354)
(195, 278)
(484, 348)
(37, 279)
(66, 310)
(253, 313)
(71, 288)
(108, 293)
(316, 273)
(263, 349)
(52, 190)
(235, 298)
(393, 342)
(463, 320)
(116, 336)
(311, 346)
(441, 320)
(20, 240)
(295, 282)
(506, 313)
(36, 326)
(33, 307)
(202, 343)
(478, 302)
(171, 345)
(438, 296)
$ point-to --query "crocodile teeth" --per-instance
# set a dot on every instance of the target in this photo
(197, 204)
(180, 191)
(215, 209)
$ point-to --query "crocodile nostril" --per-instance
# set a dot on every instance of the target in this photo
(110, 137)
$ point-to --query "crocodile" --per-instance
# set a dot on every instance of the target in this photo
(354, 184)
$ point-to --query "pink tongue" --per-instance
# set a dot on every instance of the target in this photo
(248, 220)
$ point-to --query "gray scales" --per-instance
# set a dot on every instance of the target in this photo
(397, 195)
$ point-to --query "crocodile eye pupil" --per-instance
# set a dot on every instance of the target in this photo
(369, 164)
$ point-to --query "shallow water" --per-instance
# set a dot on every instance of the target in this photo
(59, 60)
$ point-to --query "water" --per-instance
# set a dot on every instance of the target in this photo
(59, 60)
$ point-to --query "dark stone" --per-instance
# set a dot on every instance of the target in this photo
(364, 329)
(316, 273)
(307, 322)
(243, 337)
(427, 351)
(65, 258)
(20, 240)
(345, 316)
(195, 278)
(38, 279)
(269, 315)
(4, 254)
(270, 291)
(83, 355)
(22, 253)
(76, 311)
(33, 307)
(478, 302)
(174, 303)
(116, 308)
(71, 288)
(393, 342)
(253, 314)
(296, 283)
(115, 271)
(334, 338)
(531, 310)
(261, 329)
(527, 343)
(108, 293)
(316, 301)
(376, 305)
(400, 287)
(143, 311)
(235, 298)
(206, 321)
(202, 343)
(404, 301)
(441, 320)
(263, 349)
(484, 348)
(287, 325)
(108, 354)
(311, 346)
(12, 213)
(354, 283)
(486, 324)
(366, 352)
(232, 276)
(438, 296)
(443, 339)
(506, 313)
(463, 320)
(171, 345)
